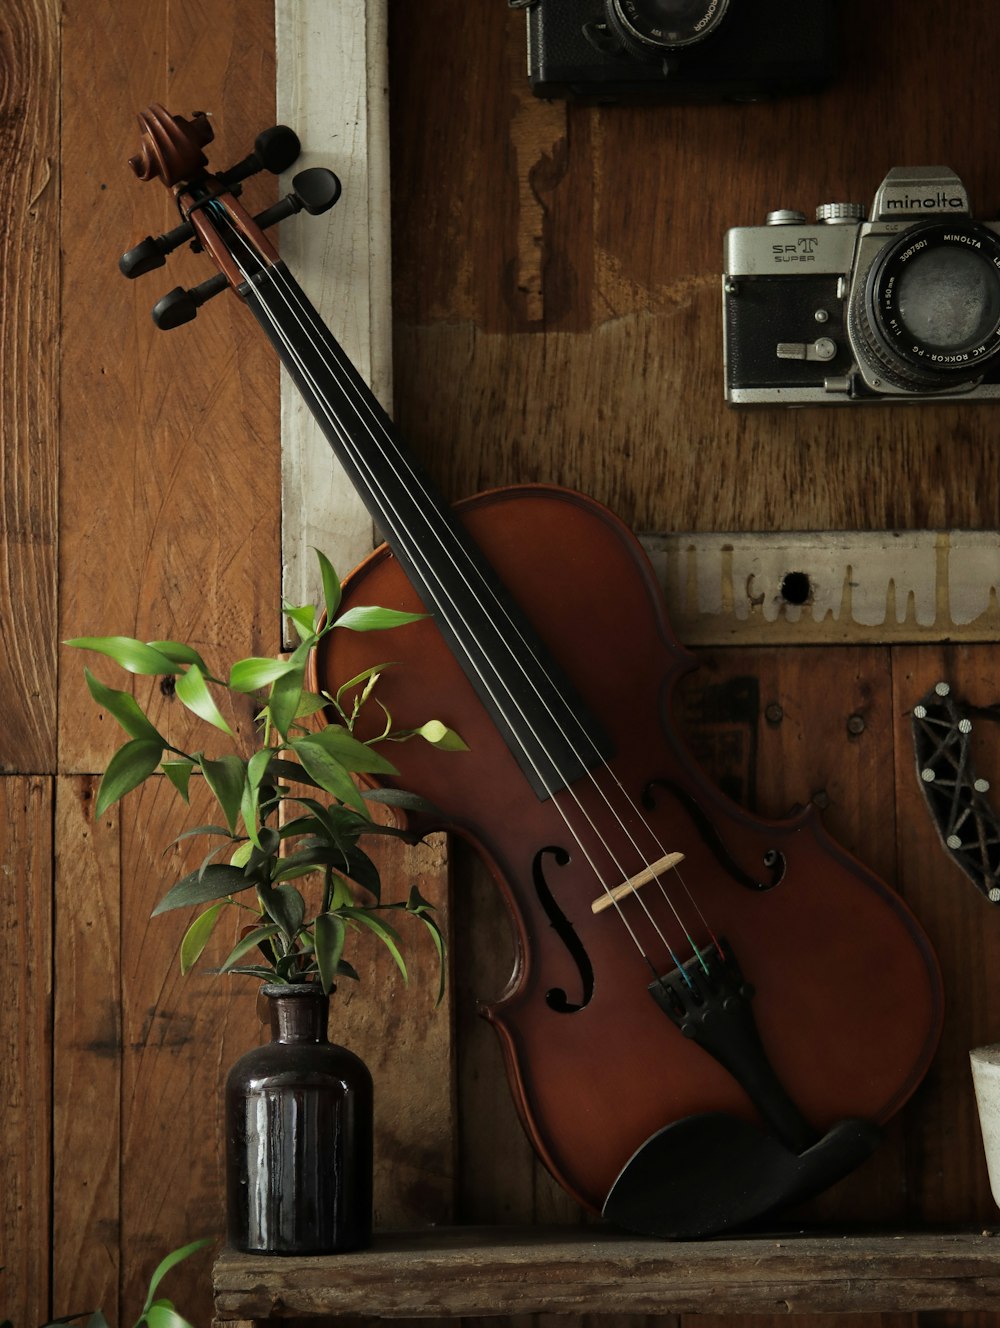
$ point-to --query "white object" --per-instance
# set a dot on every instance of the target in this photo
(986, 1078)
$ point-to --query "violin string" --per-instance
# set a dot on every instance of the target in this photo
(359, 460)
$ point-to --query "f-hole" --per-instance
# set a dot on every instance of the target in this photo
(556, 997)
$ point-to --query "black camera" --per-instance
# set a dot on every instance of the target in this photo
(678, 50)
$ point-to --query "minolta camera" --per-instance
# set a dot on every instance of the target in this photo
(902, 307)
(678, 50)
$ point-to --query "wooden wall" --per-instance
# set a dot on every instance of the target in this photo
(556, 318)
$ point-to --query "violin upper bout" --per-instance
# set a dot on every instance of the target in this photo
(171, 145)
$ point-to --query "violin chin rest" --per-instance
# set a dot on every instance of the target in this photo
(705, 1174)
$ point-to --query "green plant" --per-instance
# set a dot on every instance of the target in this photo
(291, 812)
(157, 1312)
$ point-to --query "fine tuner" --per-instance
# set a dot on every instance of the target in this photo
(314, 190)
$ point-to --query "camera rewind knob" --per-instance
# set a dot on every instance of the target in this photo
(840, 213)
(785, 217)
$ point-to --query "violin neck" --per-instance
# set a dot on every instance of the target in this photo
(543, 722)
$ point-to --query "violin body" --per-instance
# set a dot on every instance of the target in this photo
(847, 992)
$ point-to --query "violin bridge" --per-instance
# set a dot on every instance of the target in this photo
(650, 873)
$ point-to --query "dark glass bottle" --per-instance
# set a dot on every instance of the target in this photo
(299, 1136)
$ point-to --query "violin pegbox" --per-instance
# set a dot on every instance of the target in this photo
(171, 150)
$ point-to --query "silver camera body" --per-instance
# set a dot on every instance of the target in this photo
(902, 307)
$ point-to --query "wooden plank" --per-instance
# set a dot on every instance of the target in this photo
(87, 1059)
(332, 88)
(829, 587)
(26, 1045)
(29, 406)
(948, 1175)
(497, 1271)
(170, 462)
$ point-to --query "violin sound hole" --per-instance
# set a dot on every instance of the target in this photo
(556, 998)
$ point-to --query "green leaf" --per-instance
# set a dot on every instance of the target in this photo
(123, 707)
(197, 935)
(242, 855)
(257, 768)
(163, 1316)
(226, 777)
(127, 769)
(197, 830)
(286, 692)
(192, 689)
(286, 906)
(382, 930)
(179, 774)
(348, 751)
(250, 675)
(303, 616)
(411, 802)
(331, 585)
(291, 772)
(438, 939)
(340, 825)
(329, 934)
(217, 881)
(171, 1261)
(180, 653)
(248, 943)
(371, 618)
(310, 703)
(135, 656)
(328, 772)
(363, 871)
(366, 676)
(438, 735)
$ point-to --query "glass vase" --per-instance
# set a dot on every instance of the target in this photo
(299, 1136)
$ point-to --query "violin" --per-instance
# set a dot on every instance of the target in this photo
(711, 1014)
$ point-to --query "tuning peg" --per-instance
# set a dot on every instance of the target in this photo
(180, 306)
(315, 190)
(151, 253)
(274, 150)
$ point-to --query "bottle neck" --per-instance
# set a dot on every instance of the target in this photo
(298, 1013)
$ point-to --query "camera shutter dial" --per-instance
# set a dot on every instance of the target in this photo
(840, 213)
(928, 310)
(649, 27)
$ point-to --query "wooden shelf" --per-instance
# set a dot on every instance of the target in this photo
(479, 1271)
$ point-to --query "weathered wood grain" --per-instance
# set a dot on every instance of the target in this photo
(29, 403)
(169, 528)
(86, 1063)
(947, 1166)
(497, 1271)
(25, 1045)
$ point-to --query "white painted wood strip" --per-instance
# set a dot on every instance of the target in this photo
(332, 88)
(817, 587)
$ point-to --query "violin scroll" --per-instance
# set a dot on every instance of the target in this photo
(171, 148)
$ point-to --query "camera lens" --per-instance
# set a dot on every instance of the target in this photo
(646, 27)
(928, 311)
